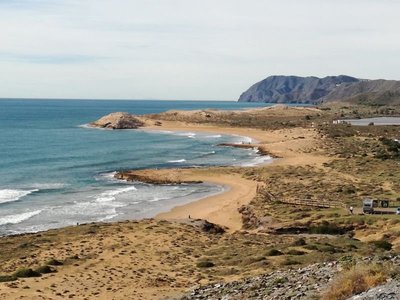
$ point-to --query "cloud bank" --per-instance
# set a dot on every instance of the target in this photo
(186, 49)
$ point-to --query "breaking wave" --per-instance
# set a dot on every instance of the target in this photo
(10, 195)
(18, 218)
(108, 196)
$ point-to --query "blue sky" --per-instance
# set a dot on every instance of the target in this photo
(186, 49)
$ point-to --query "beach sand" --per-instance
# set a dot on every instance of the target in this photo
(126, 260)
(221, 209)
(292, 146)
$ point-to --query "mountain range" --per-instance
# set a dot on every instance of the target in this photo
(314, 90)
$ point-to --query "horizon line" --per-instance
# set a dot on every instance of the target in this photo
(109, 99)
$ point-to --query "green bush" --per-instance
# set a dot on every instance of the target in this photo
(205, 264)
(329, 249)
(382, 244)
(45, 270)
(295, 252)
(299, 242)
(327, 228)
(54, 262)
(290, 262)
(311, 247)
(274, 252)
(26, 272)
(5, 278)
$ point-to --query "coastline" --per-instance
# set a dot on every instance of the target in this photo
(222, 208)
(206, 200)
(152, 258)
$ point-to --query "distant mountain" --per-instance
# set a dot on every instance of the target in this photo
(295, 89)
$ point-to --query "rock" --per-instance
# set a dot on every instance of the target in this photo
(390, 290)
(152, 177)
(118, 120)
(211, 228)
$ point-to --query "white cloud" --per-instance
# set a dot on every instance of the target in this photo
(186, 49)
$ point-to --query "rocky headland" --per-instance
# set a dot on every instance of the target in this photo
(314, 90)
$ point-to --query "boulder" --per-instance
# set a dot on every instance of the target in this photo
(118, 120)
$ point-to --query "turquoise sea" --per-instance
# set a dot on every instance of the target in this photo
(54, 172)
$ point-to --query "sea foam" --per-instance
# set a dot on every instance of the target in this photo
(257, 161)
(239, 139)
(18, 218)
(49, 186)
(191, 135)
(108, 196)
(177, 161)
(108, 176)
(10, 195)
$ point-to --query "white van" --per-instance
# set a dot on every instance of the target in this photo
(368, 206)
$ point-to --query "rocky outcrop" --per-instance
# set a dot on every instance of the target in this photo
(295, 89)
(118, 120)
(295, 283)
(302, 283)
(260, 150)
(147, 176)
(387, 291)
(211, 228)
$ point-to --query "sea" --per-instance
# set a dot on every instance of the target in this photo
(56, 172)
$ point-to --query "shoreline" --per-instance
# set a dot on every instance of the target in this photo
(222, 209)
(267, 141)
(177, 211)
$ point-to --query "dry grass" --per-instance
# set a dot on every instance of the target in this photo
(356, 280)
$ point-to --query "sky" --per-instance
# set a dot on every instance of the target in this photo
(188, 49)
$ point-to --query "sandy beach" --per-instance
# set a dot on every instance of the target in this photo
(290, 145)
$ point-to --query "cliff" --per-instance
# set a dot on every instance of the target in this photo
(314, 90)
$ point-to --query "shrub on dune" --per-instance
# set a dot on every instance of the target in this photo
(355, 281)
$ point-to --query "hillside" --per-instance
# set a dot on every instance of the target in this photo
(314, 90)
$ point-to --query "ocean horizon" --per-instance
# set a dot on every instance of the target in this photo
(56, 172)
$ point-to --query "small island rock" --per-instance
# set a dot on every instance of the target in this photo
(118, 120)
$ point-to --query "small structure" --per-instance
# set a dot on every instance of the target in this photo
(343, 122)
(368, 206)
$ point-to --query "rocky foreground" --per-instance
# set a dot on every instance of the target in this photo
(300, 283)
(388, 291)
